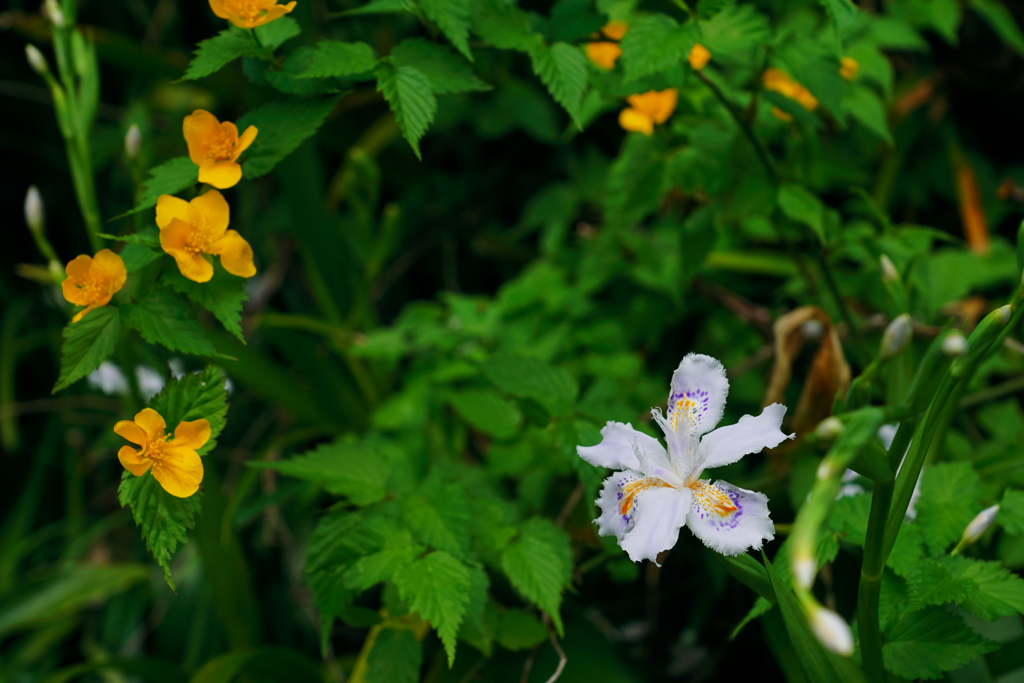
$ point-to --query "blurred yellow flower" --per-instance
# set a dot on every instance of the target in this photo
(250, 13)
(647, 109)
(616, 29)
(175, 464)
(214, 147)
(699, 57)
(604, 54)
(190, 229)
(780, 82)
(779, 114)
(92, 281)
(848, 68)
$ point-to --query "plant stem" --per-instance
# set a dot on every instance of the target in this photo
(871, 581)
(762, 152)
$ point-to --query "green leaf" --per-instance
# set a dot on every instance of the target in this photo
(410, 94)
(1011, 512)
(803, 207)
(448, 73)
(733, 32)
(563, 70)
(488, 411)
(223, 296)
(635, 181)
(924, 644)
(396, 657)
(555, 388)
(437, 588)
(948, 503)
(932, 583)
(452, 17)
(520, 630)
(842, 12)
(164, 318)
(147, 236)
(908, 549)
(164, 518)
(1001, 21)
(868, 109)
(137, 256)
(274, 33)
(383, 7)
(371, 569)
(438, 515)
(997, 592)
(195, 396)
(228, 45)
(331, 59)
(282, 126)
(168, 178)
(655, 42)
(86, 344)
(355, 469)
(503, 25)
(849, 518)
(539, 565)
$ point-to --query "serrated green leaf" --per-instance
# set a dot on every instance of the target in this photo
(438, 515)
(371, 569)
(488, 411)
(452, 17)
(396, 657)
(908, 549)
(273, 34)
(997, 592)
(924, 644)
(842, 12)
(331, 59)
(194, 396)
(555, 388)
(733, 32)
(223, 295)
(539, 564)
(282, 126)
(1002, 22)
(137, 256)
(932, 583)
(504, 26)
(437, 588)
(1011, 512)
(947, 504)
(655, 42)
(448, 73)
(163, 518)
(170, 177)
(355, 469)
(849, 518)
(214, 53)
(148, 237)
(563, 70)
(87, 343)
(164, 318)
(868, 109)
(410, 94)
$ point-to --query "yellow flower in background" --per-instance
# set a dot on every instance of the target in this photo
(604, 54)
(250, 13)
(175, 464)
(190, 229)
(92, 280)
(214, 147)
(779, 114)
(848, 68)
(699, 57)
(780, 82)
(647, 109)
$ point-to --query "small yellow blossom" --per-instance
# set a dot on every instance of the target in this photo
(779, 81)
(250, 13)
(190, 229)
(214, 147)
(848, 68)
(615, 29)
(604, 54)
(175, 464)
(699, 57)
(779, 114)
(648, 109)
(92, 281)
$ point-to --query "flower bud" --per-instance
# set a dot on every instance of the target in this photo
(979, 525)
(132, 142)
(889, 272)
(896, 337)
(36, 60)
(52, 11)
(812, 329)
(35, 217)
(954, 344)
(832, 630)
(829, 428)
(804, 568)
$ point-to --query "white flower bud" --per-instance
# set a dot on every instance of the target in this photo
(132, 142)
(36, 60)
(954, 344)
(896, 336)
(979, 525)
(804, 568)
(889, 272)
(1005, 312)
(52, 11)
(832, 630)
(829, 428)
(34, 215)
(812, 329)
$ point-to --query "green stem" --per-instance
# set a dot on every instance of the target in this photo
(762, 152)
(871, 581)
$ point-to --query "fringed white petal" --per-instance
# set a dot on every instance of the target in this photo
(697, 398)
(726, 445)
(658, 514)
(613, 521)
(624, 448)
(729, 519)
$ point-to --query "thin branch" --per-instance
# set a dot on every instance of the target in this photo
(562, 659)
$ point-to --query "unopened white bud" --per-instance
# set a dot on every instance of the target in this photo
(36, 60)
(832, 630)
(829, 428)
(53, 12)
(896, 336)
(1005, 312)
(804, 568)
(34, 215)
(889, 272)
(812, 329)
(132, 142)
(980, 524)
(954, 344)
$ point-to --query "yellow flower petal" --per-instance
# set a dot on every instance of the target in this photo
(131, 431)
(235, 254)
(219, 8)
(615, 29)
(132, 462)
(180, 472)
(199, 128)
(244, 140)
(220, 174)
(212, 212)
(81, 314)
(848, 68)
(603, 55)
(174, 240)
(78, 267)
(192, 435)
(69, 288)
(168, 208)
(636, 121)
(151, 422)
(699, 57)
(111, 267)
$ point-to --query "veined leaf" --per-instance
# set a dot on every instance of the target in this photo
(438, 515)
(274, 33)
(539, 565)
(924, 644)
(868, 109)
(488, 411)
(162, 317)
(282, 127)
(396, 657)
(996, 591)
(932, 583)
(353, 469)
(383, 7)
(214, 53)
(655, 42)
(452, 17)
(447, 72)
(842, 12)
(194, 396)
(733, 32)
(504, 26)
(437, 588)
(331, 59)
(532, 378)
(1011, 512)
(170, 177)
(137, 256)
(410, 94)
(563, 70)
(948, 503)
(223, 296)
(86, 344)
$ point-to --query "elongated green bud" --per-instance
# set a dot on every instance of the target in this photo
(36, 60)
(132, 142)
(896, 337)
(35, 217)
(889, 272)
(52, 11)
(832, 630)
(978, 526)
(984, 335)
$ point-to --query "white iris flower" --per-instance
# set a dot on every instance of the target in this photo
(656, 492)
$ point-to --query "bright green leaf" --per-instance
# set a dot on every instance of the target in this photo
(1001, 21)
(804, 207)
(503, 25)
(868, 109)
(654, 43)
(1011, 511)
(539, 564)
(997, 592)
(488, 411)
(87, 343)
(354, 469)
(437, 588)
(556, 388)
(448, 73)
(924, 644)
(195, 396)
(282, 126)
(223, 296)
(164, 318)
(331, 59)
(438, 515)
(214, 53)
(563, 69)
(948, 503)
(452, 17)
(168, 178)
(410, 94)
(932, 583)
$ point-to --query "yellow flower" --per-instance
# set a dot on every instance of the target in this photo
(190, 229)
(604, 54)
(699, 57)
(92, 281)
(779, 114)
(250, 13)
(175, 464)
(779, 81)
(648, 109)
(848, 68)
(615, 29)
(214, 147)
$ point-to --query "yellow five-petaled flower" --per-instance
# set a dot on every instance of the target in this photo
(250, 13)
(190, 229)
(604, 54)
(214, 147)
(175, 464)
(647, 109)
(92, 281)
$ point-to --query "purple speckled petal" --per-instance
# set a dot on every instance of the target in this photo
(697, 397)
(729, 519)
